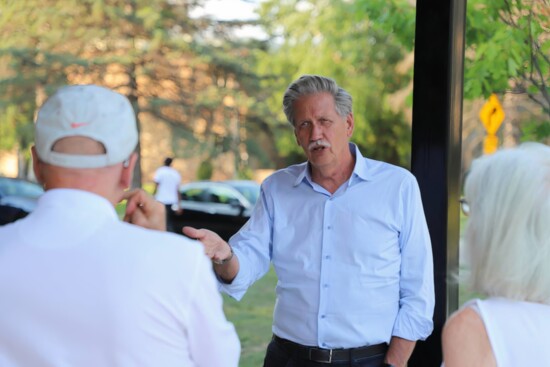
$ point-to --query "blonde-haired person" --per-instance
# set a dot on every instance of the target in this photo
(508, 238)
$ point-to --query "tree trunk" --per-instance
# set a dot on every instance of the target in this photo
(136, 181)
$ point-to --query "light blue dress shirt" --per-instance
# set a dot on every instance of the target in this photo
(354, 268)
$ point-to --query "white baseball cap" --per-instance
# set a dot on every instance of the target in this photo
(89, 111)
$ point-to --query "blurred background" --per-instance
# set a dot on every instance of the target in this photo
(206, 80)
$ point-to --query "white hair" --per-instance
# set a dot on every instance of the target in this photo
(313, 84)
(508, 232)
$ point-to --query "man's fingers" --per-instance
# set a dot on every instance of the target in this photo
(138, 198)
(139, 219)
(135, 199)
(130, 195)
(192, 232)
(143, 210)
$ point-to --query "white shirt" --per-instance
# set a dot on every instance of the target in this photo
(78, 287)
(168, 181)
(519, 332)
(354, 268)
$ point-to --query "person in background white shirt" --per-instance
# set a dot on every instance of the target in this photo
(508, 241)
(79, 287)
(167, 181)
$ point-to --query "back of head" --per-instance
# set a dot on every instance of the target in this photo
(313, 84)
(75, 118)
(508, 232)
(168, 162)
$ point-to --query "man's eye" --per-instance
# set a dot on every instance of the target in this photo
(303, 124)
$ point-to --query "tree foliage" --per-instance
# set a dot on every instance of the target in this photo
(340, 40)
(508, 51)
(172, 67)
(220, 93)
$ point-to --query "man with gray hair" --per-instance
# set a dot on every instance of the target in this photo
(348, 240)
(79, 287)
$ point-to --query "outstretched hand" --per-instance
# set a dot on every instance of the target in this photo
(214, 246)
(143, 210)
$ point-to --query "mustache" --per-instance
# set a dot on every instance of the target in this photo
(318, 143)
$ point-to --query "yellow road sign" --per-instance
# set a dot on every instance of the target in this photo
(492, 115)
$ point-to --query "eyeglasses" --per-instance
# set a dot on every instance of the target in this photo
(464, 206)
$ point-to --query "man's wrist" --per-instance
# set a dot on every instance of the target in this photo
(226, 260)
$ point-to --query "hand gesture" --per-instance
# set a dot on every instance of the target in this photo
(215, 248)
(143, 210)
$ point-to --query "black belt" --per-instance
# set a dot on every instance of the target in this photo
(330, 355)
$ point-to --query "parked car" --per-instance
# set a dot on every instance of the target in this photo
(18, 197)
(250, 189)
(221, 206)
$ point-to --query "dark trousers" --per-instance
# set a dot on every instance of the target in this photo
(169, 218)
(279, 356)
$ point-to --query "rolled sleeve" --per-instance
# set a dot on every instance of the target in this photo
(416, 305)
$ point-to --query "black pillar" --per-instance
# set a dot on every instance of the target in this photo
(436, 149)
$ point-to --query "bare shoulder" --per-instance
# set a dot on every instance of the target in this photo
(463, 321)
(465, 341)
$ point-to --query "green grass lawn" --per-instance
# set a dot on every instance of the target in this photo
(252, 317)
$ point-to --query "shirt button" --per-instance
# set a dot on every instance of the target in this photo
(329, 227)
(323, 316)
(326, 286)
(327, 257)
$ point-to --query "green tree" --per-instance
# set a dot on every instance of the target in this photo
(205, 170)
(30, 63)
(508, 50)
(340, 40)
(167, 63)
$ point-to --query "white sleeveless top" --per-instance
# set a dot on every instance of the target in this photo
(519, 332)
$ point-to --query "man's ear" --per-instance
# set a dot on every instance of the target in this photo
(128, 171)
(36, 166)
(350, 124)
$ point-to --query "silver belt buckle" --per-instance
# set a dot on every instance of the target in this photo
(321, 361)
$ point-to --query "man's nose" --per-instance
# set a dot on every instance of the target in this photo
(316, 131)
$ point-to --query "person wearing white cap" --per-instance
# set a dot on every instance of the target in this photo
(79, 287)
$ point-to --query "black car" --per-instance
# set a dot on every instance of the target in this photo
(18, 197)
(221, 206)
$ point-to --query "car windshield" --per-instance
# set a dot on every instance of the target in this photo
(251, 191)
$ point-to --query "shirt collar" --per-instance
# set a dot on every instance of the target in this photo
(92, 203)
(361, 169)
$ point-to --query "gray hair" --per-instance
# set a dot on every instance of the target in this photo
(508, 232)
(313, 84)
